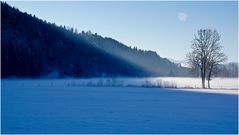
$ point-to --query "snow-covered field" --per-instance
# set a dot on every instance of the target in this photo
(68, 106)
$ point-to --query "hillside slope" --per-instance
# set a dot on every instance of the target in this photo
(148, 60)
(32, 47)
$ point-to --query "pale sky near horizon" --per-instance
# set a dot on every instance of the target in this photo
(161, 26)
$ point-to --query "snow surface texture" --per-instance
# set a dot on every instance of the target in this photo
(48, 106)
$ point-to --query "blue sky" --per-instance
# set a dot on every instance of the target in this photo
(165, 27)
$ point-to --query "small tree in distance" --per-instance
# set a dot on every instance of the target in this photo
(206, 53)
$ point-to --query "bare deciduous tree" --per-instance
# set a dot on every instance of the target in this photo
(206, 53)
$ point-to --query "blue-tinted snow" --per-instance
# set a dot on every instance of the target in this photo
(37, 107)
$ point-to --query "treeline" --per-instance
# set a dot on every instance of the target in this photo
(32, 47)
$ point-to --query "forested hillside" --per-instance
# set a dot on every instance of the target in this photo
(32, 47)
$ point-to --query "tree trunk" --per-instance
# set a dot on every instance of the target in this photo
(208, 83)
(203, 83)
(204, 69)
(209, 77)
(204, 75)
(203, 79)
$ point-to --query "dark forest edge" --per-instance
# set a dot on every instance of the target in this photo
(35, 48)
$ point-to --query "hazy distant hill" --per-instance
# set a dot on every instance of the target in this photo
(32, 47)
(227, 70)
